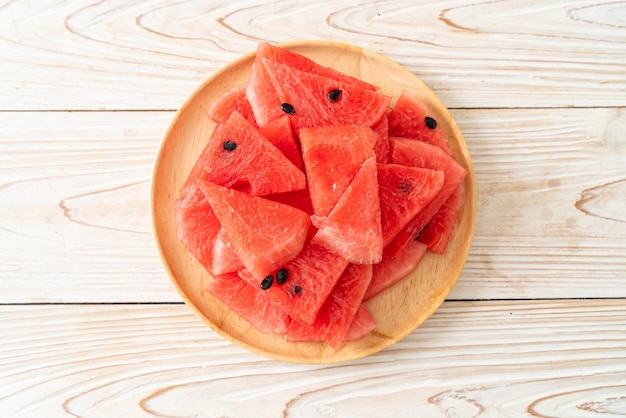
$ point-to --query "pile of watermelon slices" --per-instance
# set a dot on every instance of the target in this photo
(315, 194)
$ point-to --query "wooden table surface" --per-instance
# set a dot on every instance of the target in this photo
(90, 325)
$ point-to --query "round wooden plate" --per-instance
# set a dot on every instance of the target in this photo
(399, 310)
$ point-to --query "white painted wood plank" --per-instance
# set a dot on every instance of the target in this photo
(75, 207)
(75, 220)
(487, 359)
(551, 216)
(152, 54)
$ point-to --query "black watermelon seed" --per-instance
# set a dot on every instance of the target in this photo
(281, 276)
(404, 186)
(334, 95)
(430, 122)
(267, 282)
(287, 108)
(229, 145)
(297, 290)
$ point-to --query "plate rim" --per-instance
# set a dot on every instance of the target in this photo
(385, 342)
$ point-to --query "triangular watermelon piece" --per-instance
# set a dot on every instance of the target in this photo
(239, 157)
(249, 304)
(280, 133)
(232, 99)
(404, 191)
(274, 90)
(337, 313)
(438, 232)
(264, 234)
(362, 324)
(392, 269)
(284, 56)
(310, 279)
(332, 156)
(410, 118)
(196, 225)
(420, 154)
(353, 226)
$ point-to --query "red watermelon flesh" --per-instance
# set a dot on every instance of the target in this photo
(311, 278)
(245, 301)
(264, 234)
(196, 225)
(438, 232)
(225, 260)
(362, 324)
(298, 199)
(353, 226)
(261, 92)
(280, 133)
(338, 130)
(272, 85)
(382, 147)
(337, 313)
(420, 154)
(283, 56)
(407, 151)
(332, 156)
(408, 119)
(254, 166)
(404, 191)
(232, 99)
(392, 269)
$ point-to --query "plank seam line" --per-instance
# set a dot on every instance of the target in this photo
(86, 303)
(621, 105)
(182, 303)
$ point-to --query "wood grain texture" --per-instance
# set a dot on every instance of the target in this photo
(74, 207)
(551, 203)
(538, 89)
(75, 219)
(487, 359)
(150, 54)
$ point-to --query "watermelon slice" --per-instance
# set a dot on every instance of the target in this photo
(362, 324)
(437, 233)
(410, 118)
(392, 269)
(275, 89)
(332, 156)
(337, 313)
(264, 234)
(280, 134)
(196, 225)
(297, 61)
(310, 279)
(245, 301)
(353, 226)
(239, 157)
(232, 99)
(420, 154)
(404, 191)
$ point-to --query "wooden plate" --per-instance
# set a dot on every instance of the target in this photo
(398, 311)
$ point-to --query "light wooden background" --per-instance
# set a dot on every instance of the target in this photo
(89, 323)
